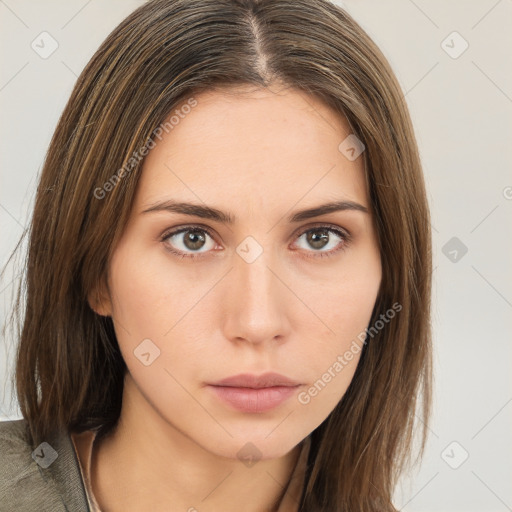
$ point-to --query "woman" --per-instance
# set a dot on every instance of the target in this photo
(229, 272)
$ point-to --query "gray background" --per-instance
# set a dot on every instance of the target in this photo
(461, 106)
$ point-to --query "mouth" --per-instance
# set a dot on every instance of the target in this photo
(254, 394)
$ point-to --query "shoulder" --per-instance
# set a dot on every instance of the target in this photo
(43, 478)
(13, 449)
(13, 433)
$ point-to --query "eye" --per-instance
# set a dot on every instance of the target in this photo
(192, 241)
(190, 238)
(325, 240)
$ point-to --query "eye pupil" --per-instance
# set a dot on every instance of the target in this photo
(195, 239)
(318, 238)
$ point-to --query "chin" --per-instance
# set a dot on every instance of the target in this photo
(252, 447)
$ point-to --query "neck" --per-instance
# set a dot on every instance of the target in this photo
(148, 464)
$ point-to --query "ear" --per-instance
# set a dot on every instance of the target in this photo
(99, 299)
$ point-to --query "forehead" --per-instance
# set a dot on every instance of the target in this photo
(268, 145)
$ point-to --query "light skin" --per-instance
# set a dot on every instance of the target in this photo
(262, 156)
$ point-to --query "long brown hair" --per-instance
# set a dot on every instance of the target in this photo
(69, 370)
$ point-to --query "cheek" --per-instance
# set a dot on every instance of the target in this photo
(146, 294)
(152, 301)
(333, 359)
(345, 306)
(345, 302)
(147, 307)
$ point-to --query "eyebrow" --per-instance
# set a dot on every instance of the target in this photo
(207, 212)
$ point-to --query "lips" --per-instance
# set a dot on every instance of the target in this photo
(246, 380)
(254, 393)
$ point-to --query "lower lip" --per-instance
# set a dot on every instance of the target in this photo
(254, 400)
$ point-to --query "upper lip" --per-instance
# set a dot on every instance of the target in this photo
(266, 380)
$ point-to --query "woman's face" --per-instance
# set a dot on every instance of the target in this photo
(273, 290)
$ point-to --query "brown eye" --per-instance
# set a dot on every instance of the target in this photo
(318, 238)
(194, 240)
(324, 240)
(186, 241)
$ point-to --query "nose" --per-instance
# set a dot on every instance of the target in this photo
(255, 302)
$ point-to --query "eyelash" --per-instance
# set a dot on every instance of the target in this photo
(344, 235)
